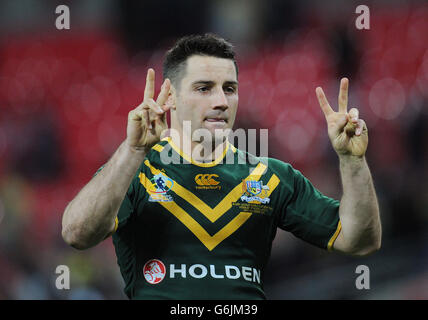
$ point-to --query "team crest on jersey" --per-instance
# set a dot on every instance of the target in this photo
(255, 191)
(160, 185)
(154, 271)
(254, 187)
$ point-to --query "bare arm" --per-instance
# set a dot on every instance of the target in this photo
(359, 210)
(90, 217)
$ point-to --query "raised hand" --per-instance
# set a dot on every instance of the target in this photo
(348, 134)
(148, 120)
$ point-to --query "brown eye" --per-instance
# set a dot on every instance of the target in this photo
(203, 89)
(230, 90)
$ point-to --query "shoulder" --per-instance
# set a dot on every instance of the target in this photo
(158, 151)
(252, 159)
(273, 165)
(279, 166)
(283, 170)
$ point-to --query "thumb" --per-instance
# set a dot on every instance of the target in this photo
(338, 125)
(350, 129)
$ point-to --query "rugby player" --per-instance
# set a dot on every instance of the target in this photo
(201, 227)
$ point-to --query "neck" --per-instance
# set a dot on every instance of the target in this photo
(200, 151)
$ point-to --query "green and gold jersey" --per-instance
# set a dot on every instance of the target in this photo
(204, 230)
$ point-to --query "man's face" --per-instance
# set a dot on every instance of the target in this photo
(208, 95)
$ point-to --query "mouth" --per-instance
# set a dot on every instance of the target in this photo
(216, 120)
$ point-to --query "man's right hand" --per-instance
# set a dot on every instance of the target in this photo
(147, 122)
(90, 217)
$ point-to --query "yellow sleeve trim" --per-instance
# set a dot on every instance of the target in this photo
(334, 237)
(157, 147)
(116, 224)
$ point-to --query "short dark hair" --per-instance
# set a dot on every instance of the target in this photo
(207, 44)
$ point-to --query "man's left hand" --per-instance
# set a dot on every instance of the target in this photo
(348, 133)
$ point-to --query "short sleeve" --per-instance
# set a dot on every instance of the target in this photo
(310, 215)
(133, 202)
(127, 206)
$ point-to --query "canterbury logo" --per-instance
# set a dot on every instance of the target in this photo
(211, 213)
(206, 179)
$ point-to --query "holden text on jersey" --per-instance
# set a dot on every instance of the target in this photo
(199, 271)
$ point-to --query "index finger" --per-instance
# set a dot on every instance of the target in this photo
(149, 91)
(325, 106)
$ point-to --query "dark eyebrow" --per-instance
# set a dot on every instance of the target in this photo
(231, 83)
(206, 82)
(210, 83)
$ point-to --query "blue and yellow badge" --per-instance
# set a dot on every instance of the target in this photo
(255, 191)
(160, 185)
(254, 187)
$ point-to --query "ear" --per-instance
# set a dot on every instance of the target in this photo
(172, 97)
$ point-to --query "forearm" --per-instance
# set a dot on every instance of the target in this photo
(359, 210)
(90, 216)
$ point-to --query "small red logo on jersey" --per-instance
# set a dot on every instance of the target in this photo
(154, 271)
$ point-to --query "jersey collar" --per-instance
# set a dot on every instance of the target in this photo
(197, 163)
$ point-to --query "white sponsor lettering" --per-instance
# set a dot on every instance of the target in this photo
(173, 270)
(256, 275)
(246, 273)
(203, 273)
(213, 274)
(229, 275)
(199, 271)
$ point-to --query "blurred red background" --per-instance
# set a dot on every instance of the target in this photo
(65, 95)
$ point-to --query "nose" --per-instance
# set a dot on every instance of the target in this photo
(219, 100)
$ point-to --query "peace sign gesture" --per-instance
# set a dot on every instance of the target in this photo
(148, 120)
(347, 133)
